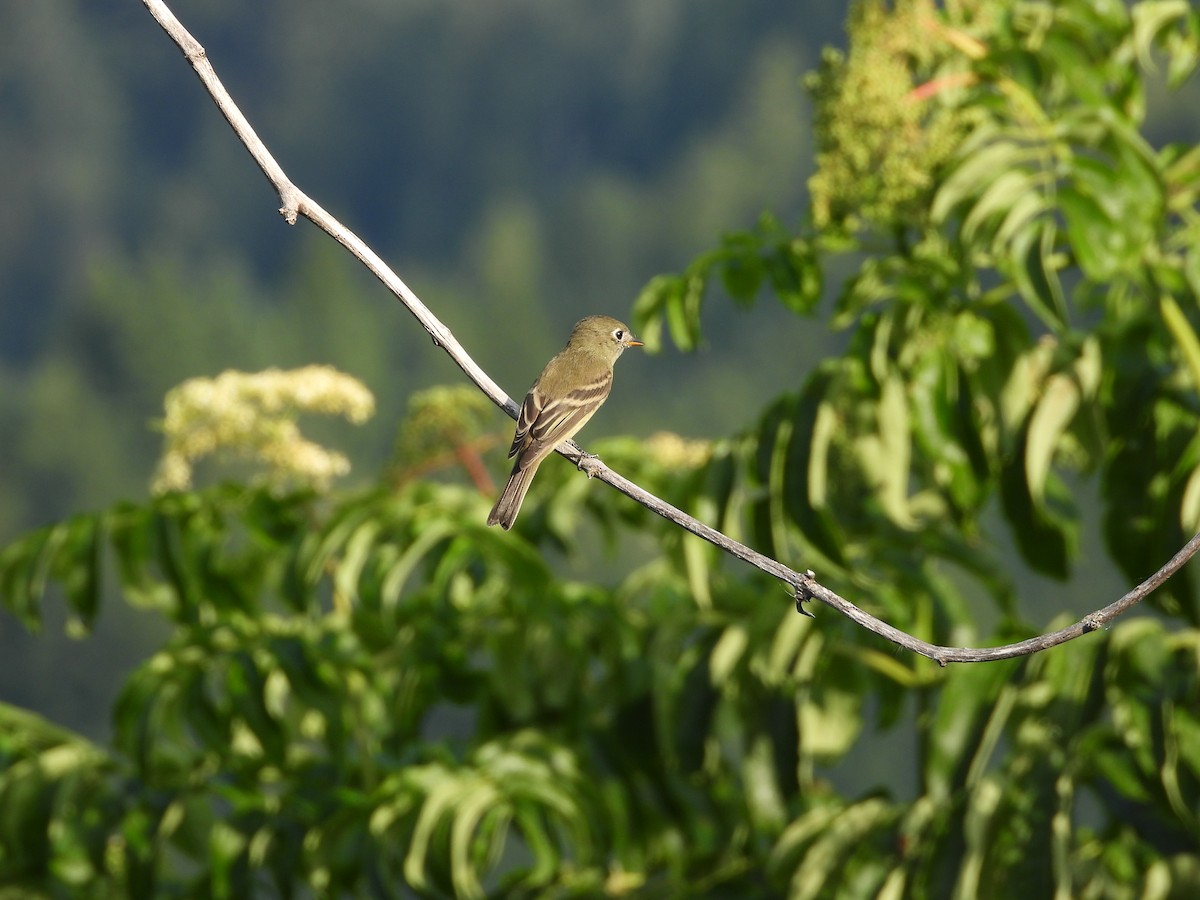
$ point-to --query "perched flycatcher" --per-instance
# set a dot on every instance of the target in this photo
(566, 394)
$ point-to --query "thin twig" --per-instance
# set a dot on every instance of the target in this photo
(296, 203)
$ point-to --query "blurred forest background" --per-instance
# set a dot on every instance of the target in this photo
(519, 164)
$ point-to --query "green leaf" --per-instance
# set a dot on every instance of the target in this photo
(814, 430)
(1150, 18)
(1192, 268)
(359, 546)
(727, 653)
(1057, 407)
(1034, 270)
(650, 307)
(79, 568)
(683, 312)
(764, 799)
(1189, 504)
(979, 168)
(1021, 219)
(796, 277)
(840, 839)
(892, 464)
(787, 854)
(1185, 337)
(742, 269)
(830, 720)
(19, 579)
(1046, 532)
(971, 712)
(226, 847)
(1096, 239)
(980, 824)
(1000, 199)
(469, 812)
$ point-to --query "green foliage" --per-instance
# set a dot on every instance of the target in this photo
(747, 263)
(1030, 315)
(622, 739)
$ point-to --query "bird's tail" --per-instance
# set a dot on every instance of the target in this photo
(504, 513)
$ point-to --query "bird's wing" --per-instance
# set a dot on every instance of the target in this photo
(544, 424)
(530, 407)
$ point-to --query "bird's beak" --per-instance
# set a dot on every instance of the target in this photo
(634, 342)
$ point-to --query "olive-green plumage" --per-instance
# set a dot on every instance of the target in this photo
(563, 398)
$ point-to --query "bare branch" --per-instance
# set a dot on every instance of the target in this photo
(295, 203)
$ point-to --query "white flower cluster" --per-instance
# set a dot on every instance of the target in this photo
(251, 416)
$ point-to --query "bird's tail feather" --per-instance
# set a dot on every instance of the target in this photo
(504, 513)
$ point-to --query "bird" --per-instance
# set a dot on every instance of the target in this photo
(564, 397)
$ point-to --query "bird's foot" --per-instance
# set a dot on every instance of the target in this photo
(587, 463)
(802, 594)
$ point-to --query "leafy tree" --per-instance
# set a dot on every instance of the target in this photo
(374, 693)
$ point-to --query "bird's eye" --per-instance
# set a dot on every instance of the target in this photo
(619, 334)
